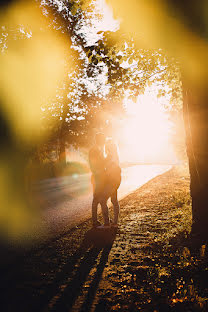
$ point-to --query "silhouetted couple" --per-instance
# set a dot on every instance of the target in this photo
(106, 178)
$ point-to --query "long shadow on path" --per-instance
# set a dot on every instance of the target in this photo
(68, 284)
(86, 306)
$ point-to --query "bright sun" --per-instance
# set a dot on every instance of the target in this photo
(145, 135)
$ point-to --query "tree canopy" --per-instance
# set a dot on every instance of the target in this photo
(99, 71)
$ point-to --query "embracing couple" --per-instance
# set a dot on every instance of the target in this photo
(106, 178)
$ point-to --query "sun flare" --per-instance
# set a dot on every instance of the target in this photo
(145, 136)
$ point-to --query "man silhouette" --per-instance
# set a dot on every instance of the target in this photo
(97, 166)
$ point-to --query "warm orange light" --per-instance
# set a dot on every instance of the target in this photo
(145, 136)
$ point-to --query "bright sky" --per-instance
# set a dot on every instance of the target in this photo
(106, 23)
(145, 135)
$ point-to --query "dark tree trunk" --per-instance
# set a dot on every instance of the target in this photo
(62, 152)
(196, 125)
(191, 14)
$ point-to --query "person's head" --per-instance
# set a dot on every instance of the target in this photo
(100, 139)
(111, 147)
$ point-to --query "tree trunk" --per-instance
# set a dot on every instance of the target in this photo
(196, 125)
(62, 152)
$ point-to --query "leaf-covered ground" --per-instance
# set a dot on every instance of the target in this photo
(149, 267)
(145, 268)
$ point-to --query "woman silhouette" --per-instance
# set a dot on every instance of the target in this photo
(113, 176)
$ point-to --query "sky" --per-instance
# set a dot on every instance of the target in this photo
(106, 23)
(145, 135)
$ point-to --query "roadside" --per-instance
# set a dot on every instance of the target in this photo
(145, 269)
(68, 200)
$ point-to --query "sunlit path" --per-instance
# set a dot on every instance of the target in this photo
(69, 198)
(135, 176)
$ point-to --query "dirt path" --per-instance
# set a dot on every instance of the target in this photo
(145, 268)
(136, 276)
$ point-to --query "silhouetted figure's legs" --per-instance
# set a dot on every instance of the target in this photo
(105, 211)
(94, 210)
(99, 197)
(104, 208)
(116, 207)
(96, 199)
